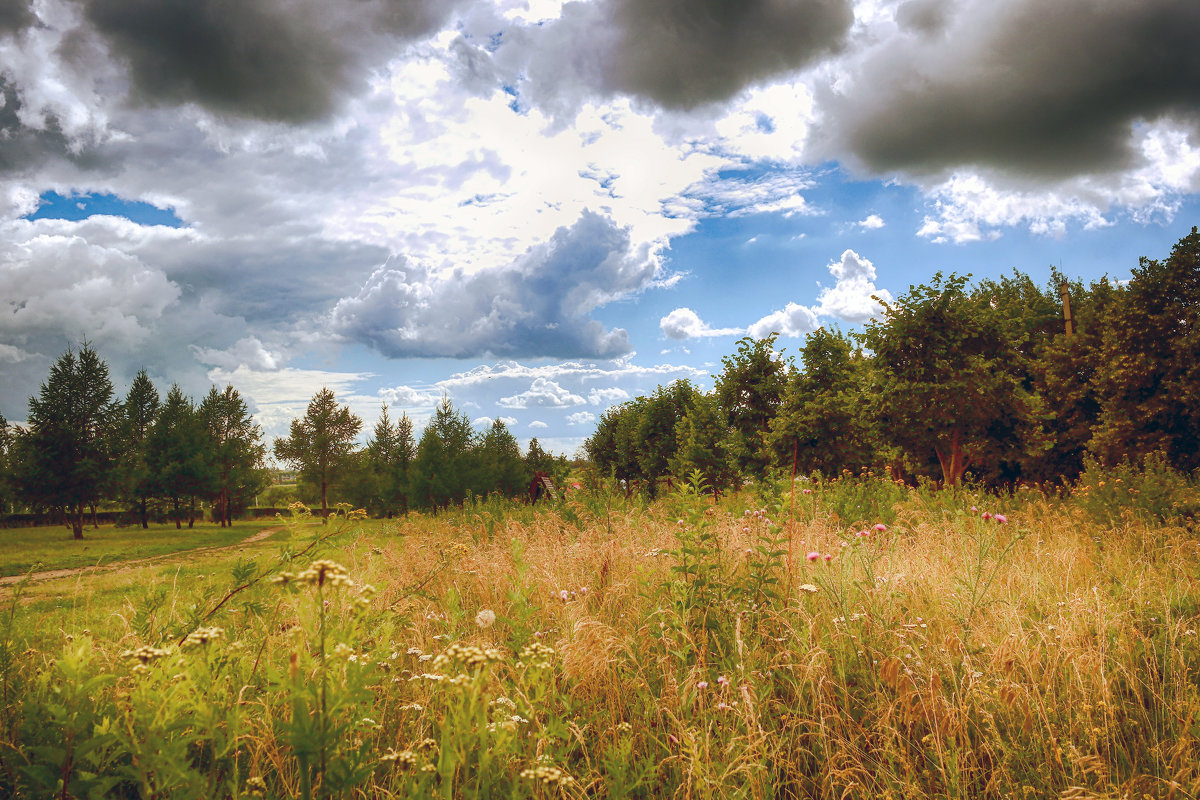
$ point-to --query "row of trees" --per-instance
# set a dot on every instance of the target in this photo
(1005, 380)
(83, 446)
(394, 473)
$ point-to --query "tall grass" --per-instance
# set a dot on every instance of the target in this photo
(677, 649)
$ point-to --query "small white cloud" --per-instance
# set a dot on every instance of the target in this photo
(850, 299)
(683, 323)
(247, 351)
(13, 355)
(543, 393)
(581, 418)
(606, 396)
(537, 423)
(408, 397)
(872, 223)
(793, 320)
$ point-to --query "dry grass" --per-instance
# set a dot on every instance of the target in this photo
(947, 657)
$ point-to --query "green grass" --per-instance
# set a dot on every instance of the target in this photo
(53, 547)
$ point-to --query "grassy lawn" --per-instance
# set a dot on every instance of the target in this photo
(53, 547)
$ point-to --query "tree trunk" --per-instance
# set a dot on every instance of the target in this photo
(144, 515)
(77, 522)
(178, 517)
(324, 507)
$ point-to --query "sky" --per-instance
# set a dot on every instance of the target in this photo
(538, 209)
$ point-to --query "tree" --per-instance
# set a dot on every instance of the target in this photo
(178, 457)
(750, 391)
(825, 421)
(500, 465)
(950, 380)
(1149, 374)
(441, 470)
(388, 454)
(237, 451)
(67, 455)
(320, 442)
(704, 443)
(136, 419)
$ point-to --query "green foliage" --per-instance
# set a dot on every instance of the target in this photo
(824, 423)
(67, 456)
(136, 421)
(236, 450)
(178, 458)
(441, 471)
(750, 391)
(705, 445)
(320, 442)
(1147, 488)
(1148, 375)
(949, 379)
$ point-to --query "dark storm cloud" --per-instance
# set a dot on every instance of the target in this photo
(677, 53)
(286, 60)
(24, 148)
(1050, 89)
(683, 53)
(538, 306)
(14, 15)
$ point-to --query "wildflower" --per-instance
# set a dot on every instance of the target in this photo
(828, 557)
(813, 556)
(986, 516)
(679, 522)
(403, 759)
(202, 636)
(808, 588)
(624, 727)
(324, 571)
(702, 685)
(548, 775)
(146, 654)
(1000, 518)
(880, 527)
(723, 706)
(564, 595)
(256, 786)
(722, 680)
(485, 618)
(807, 491)
(973, 509)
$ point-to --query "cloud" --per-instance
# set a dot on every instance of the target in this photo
(542, 393)
(287, 60)
(677, 53)
(408, 397)
(872, 223)
(486, 422)
(581, 418)
(607, 396)
(248, 352)
(683, 323)
(537, 423)
(1025, 87)
(793, 320)
(850, 299)
(539, 305)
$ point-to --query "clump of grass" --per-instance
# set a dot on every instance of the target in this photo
(626, 654)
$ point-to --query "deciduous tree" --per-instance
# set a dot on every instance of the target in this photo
(235, 442)
(178, 457)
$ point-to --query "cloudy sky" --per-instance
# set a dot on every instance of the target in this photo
(540, 208)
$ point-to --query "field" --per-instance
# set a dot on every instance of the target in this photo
(848, 639)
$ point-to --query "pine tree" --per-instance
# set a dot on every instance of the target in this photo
(137, 417)
(68, 454)
(237, 451)
(178, 458)
(320, 443)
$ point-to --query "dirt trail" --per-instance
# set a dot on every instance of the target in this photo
(51, 574)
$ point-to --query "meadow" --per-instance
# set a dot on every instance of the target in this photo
(848, 638)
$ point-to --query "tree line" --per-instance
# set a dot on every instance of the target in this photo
(82, 447)
(1003, 381)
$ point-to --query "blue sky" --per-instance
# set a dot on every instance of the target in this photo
(538, 208)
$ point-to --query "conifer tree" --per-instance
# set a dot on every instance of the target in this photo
(178, 457)
(68, 454)
(237, 451)
(320, 443)
(137, 418)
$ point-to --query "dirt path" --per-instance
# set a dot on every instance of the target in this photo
(51, 574)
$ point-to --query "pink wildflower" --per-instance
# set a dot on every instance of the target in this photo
(1000, 518)
(813, 556)
(973, 509)
(701, 685)
(722, 680)
(564, 595)
(828, 557)
(880, 527)
(808, 491)
(986, 516)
